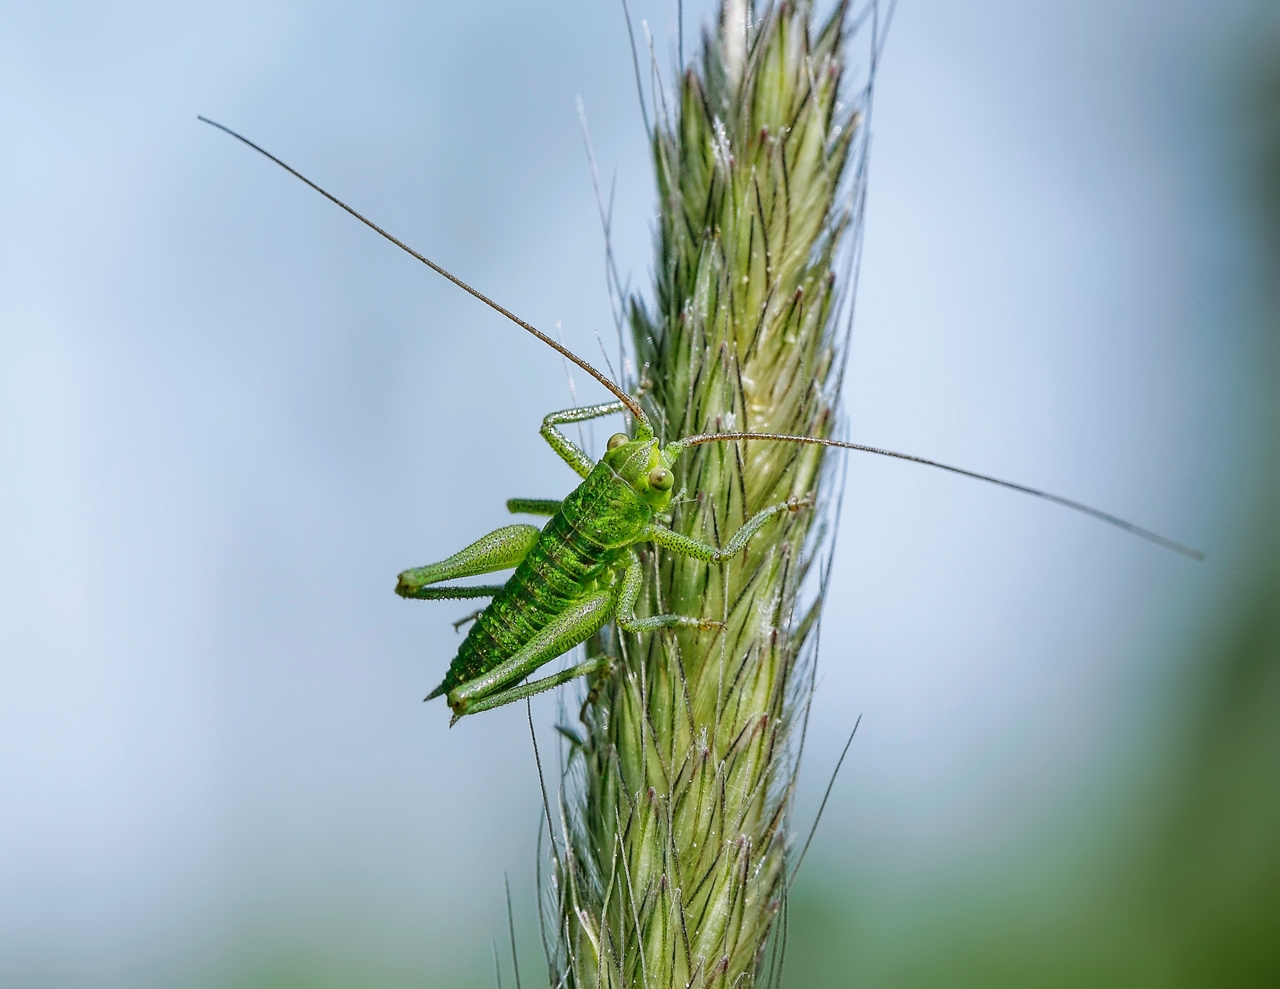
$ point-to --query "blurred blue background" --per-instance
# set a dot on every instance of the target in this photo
(229, 416)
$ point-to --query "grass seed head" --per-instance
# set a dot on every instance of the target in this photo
(677, 802)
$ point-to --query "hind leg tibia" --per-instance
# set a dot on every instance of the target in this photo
(571, 627)
(519, 692)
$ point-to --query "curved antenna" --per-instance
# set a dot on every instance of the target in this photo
(633, 407)
(1110, 519)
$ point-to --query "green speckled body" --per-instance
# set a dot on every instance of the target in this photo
(579, 552)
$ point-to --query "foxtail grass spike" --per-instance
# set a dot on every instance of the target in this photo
(677, 799)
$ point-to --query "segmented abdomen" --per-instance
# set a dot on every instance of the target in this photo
(576, 554)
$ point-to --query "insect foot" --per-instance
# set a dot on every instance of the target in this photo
(795, 504)
(707, 625)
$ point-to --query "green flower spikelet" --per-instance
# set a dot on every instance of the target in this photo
(678, 796)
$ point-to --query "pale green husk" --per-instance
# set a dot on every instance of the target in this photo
(678, 790)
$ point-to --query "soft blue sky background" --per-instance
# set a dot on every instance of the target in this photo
(229, 416)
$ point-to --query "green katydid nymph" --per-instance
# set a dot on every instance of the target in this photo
(582, 570)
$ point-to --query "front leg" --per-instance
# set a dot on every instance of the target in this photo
(688, 546)
(499, 550)
(568, 450)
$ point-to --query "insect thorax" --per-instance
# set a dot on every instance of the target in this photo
(606, 509)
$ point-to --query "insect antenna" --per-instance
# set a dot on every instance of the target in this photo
(1102, 516)
(642, 421)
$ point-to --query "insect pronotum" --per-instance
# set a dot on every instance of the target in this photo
(581, 570)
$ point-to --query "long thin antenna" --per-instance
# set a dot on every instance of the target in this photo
(1107, 517)
(632, 406)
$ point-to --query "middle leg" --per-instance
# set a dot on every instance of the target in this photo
(632, 581)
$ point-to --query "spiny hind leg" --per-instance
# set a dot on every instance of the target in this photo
(600, 664)
(571, 627)
(569, 451)
(533, 506)
(450, 592)
(632, 581)
(688, 546)
(499, 550)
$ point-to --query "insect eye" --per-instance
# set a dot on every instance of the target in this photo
(617, 440)
(661, 479)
